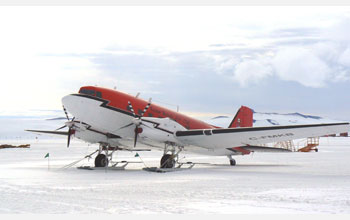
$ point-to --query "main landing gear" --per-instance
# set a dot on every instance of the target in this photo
(232, 161)
(101, 160)
(167, 161)
(170, 157)
(104, 155)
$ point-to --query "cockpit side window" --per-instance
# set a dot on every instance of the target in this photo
(98, 94)
(91, 92)
(87, 92)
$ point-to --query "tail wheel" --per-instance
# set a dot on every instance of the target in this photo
(167, 161)
(101, 160)
(232, 162)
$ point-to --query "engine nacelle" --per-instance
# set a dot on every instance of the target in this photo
(160, 129)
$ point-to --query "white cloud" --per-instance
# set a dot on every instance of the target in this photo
(251, 71)
(344, 58)
(301, 65)
(340, 31)
(38, 82)
(311, 66)
(312, 63)
(71, 33)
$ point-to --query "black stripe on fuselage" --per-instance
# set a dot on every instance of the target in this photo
(156, 124)
(105, 105)
(108, 135)
(236, 130)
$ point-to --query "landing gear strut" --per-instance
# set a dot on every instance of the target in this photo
(232, 161)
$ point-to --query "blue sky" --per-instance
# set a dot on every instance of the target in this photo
(207, 60)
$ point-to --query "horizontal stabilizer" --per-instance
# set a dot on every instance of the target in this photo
(245, 150)
(266, 149)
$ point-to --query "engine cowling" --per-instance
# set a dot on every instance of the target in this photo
(160, 129)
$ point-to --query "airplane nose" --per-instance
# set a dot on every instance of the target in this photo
(78, 106)
(66, 100)
(69, 102)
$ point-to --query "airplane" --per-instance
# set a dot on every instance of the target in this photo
(119, 121)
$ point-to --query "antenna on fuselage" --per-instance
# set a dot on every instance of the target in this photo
(115, 88)
(137, 95)
(177, 108)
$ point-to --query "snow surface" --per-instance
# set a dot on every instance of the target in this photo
(260, 183)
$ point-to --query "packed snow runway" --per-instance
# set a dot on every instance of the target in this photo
(260, 183)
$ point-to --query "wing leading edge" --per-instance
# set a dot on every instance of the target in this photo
(49, 132)
(230, 137)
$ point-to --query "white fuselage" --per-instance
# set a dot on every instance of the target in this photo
(93, 121)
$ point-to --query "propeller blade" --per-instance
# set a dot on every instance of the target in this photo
(142, 113)
(65, 112)
(61, 127)
(136, 134)
(138, 130)
(131, 109)
(128, 125)
(69, 135)
(146, 108)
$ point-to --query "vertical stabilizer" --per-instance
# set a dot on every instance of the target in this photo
(243, 118)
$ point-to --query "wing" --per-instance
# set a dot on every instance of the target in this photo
(231, 137)
(50, 132)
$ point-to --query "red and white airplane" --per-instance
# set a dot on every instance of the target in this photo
(118, 121)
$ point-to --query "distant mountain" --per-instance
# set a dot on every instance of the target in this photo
(218, 117)
(58, 118)
(261, 119)
(14, 126)
(291, 114)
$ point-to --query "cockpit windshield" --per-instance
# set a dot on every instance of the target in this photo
(91, 92)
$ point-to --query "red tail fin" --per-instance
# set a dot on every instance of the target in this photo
(243, 118)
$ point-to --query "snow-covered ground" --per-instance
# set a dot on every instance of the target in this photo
(260, 183)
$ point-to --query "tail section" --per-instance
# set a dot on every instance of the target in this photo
(243, 118)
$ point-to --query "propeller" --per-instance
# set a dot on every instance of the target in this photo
(136, 121)
(69, 124)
